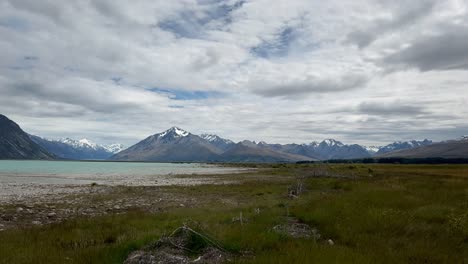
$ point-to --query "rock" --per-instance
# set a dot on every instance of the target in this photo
(212, 255)
(140, 256)
(51, 215)
(176, 249)
(19, 209)
(330, 242)
(295, 229)
(36, 223)
(117, 207)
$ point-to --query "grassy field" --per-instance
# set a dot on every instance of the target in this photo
(372, 213)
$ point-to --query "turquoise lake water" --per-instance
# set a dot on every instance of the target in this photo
(74, 172)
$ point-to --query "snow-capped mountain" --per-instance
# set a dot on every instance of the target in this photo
(400, 145)
(449, 149)
(331, 143)
(83, 149)
(333, 149)
(219, 142)
(174, 144)
(372, 149)
(114, 148)
(86, 143)
(82, 143)
(327, 149)
(215, 138)
(174, 132)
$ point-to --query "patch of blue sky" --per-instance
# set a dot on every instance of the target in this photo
(117, 80)
(176, 106)
(278, 47)
(187, 24)
(177, 94)
(15, 23)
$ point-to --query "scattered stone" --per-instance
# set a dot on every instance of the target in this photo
(19, 209)
(140, 257)
(330, 242)
(295, 229)
(36, 223)
(51, 215)
(212, 255)
(116, 207)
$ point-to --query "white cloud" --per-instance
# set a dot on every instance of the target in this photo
(290, 71)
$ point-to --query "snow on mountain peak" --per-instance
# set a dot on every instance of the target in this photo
(209, 137)
(82, 143)
(372, 149)
(178, 132)
(314, 143)
(332, 142)
(114, 148)
(86, 142)
(215, 138)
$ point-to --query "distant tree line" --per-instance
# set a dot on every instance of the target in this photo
(394, 161)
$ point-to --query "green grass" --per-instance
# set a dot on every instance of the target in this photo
(380, 214)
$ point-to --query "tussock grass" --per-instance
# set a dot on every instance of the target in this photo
(382, 214)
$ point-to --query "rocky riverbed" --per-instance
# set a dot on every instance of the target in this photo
(23, 205)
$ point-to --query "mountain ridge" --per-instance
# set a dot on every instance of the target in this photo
(449, 149)
(214, 148)
(16, 144)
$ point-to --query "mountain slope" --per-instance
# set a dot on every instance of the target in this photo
(247, 151)
(77, 149)
(16, 144)
(174, 144)
(448, 149)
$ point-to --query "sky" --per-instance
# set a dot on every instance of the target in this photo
(283, 71)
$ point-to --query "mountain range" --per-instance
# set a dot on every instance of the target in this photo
(447, 149)
(178, 145)
(82, 149)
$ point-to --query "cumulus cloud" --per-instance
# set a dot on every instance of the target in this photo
(311, 85)
(445, 50)
(401, 16)
(390, 109)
